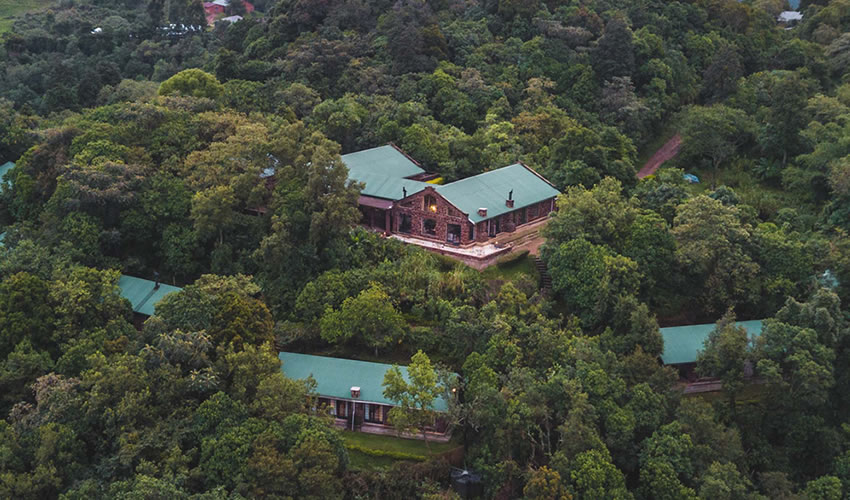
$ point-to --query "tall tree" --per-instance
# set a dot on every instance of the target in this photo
(415, 397)
(713, 134)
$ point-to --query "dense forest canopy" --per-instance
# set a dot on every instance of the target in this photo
(211, 159)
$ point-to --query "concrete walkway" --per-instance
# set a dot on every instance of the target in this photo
(480, 256)
(385, 430)
(477, 251)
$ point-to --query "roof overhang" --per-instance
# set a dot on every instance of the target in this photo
(370, 201)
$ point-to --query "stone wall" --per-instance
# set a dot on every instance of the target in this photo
(445, 214)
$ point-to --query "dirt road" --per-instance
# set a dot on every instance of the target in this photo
(667, 152)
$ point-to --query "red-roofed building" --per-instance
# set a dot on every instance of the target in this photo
(219, 7)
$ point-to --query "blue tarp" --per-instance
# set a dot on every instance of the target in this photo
(691, 178)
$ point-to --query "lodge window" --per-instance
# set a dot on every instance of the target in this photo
(405, 224)
(472, 231)
(341, 409)
(453, 233)
(429, 227)
(430, 203)
(373, 413)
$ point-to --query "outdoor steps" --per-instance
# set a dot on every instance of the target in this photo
(545, 277)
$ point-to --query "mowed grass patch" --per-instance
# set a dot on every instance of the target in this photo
(383, 448)
(512, 270)
(9, 9)
(394, 444)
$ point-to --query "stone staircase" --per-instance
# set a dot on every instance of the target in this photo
(545, 277)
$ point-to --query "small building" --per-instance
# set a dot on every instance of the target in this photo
(353, 391)
(398, 198)
(789, 17)
(143, 295)
(218, 7)
(4, 169)
(682, 344)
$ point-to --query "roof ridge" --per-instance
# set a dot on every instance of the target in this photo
(341, 359)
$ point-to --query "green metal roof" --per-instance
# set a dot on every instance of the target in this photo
(384, 163)
(390, 188)
(143, 294)
(4, 168)
(384, 171)
(683, 343)
(490, 190)
(336, 376)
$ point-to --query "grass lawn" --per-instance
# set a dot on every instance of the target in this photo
(512, 270)
(396, 444)
(12, 8)
(363, 461)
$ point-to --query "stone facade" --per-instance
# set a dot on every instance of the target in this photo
(428, 215)
(412, 214)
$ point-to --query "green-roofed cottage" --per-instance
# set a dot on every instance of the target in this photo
(398, 199)
(143, 294)
(4, 169)
(352, 390)
(682, 344)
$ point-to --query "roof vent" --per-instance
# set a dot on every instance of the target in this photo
(355, 392)
(482, 212)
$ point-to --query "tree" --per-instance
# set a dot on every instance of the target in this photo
(225, 307)
(720, 78)
(370, 317)
(415, 397)
(724, 355)
(713, 134)
(212, 211)
(589, 278)
(594, 476)
(614, 55)
(25, 313)
(713, 243)
(192, 83)
(823, 488)
(724, 482)
(545, 484)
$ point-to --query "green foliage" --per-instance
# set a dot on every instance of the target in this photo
(370, 318)
(192, 83)
(415, 398)
(126, 159)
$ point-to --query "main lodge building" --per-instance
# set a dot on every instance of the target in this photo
(399, 199)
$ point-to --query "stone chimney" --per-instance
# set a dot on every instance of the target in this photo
(482, 212)
(510, 201)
